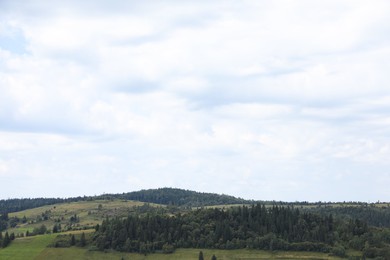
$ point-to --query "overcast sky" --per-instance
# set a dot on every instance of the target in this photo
(271, 100)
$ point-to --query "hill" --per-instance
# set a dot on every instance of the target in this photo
(165, 196)
(180, 197)
(166, 219)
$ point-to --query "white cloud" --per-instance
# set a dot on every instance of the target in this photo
(287, 96)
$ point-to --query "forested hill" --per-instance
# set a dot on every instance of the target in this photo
(180, 197)
(374, 214)
(14, 205)
(166, 196)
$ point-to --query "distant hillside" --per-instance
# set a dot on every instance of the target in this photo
(180, 197)
(14, 205)
(166, 196)
(375, 214)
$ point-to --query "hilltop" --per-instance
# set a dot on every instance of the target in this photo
(166, 219)
(165, 196)
(179, 197)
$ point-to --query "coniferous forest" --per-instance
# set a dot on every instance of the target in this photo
(254, 227)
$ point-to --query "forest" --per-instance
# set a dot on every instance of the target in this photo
(254, 227)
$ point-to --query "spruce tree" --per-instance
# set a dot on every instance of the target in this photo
(201, 255)
(72, 240)
(6, 240)
(83, 242)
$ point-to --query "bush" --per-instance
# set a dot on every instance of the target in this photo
(168, 249)
(61, 241)
(40, 230)
(338, 251)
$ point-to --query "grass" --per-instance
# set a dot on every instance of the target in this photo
(31, 247)
(89, 213)
(26, 248)
(36, 248)
(80, 207)
(242, 254)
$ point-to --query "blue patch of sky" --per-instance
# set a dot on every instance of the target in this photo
(135, 86)
(13, 40)
(39, 126)
(228, 89)
(137, 41)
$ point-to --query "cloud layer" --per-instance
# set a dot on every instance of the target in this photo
(281, 100)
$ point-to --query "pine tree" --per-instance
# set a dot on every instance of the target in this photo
(72, 240)
(6, 240)
(55, 228)
(83, 242)
(201, 255)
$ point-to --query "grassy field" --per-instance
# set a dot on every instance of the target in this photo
(187, 254)
(89, 213)
(36, 248)
(26, 248)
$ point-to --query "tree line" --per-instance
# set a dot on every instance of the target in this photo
(255, 227)
(374, 216)
(166, 196)
(15, 205)
(178, 197)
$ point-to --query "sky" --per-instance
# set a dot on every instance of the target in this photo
(266, 100)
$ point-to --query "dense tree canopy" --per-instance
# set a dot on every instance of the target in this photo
(257, 227)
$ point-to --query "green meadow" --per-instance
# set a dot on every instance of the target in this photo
(36, 248)
(89, 213)
(188, 254)
(26, 247)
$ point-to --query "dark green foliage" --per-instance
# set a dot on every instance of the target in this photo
(56, 228)
(6, 240)
(74, 219)
(72, 240)
(39, 230)
(12, 222)
(201, 256)
(61, 241)
(83, 241)
(338, 251)
(168, 249)
(3, 221)
(255, 227)
(376, 253)
(372, 215)
(178, 197)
